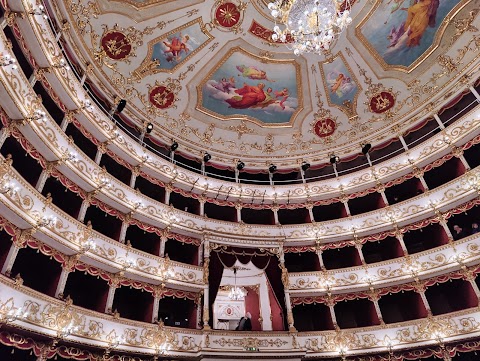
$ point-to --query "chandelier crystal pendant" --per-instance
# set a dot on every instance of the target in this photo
(309, 26)
(236, 293)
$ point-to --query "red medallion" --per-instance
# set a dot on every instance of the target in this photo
(382, 101)
(227, 15)
(116, 45)
(324, 127)
(161, 97)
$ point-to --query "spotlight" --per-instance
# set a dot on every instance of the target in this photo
(272, 168)
(174, 146)
(206, 157)
(305, 166)
(121, 105)
(149, 128)
(366, 148)
(334, 159)
(240, 165)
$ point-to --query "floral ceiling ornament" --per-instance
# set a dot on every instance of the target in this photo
(309, 26)
(228, 15)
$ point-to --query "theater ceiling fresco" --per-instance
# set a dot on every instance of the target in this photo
(208, 74)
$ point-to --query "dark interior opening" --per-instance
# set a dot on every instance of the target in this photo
(81, 141)
(378, 251)
(293, 216)
(302, 262)
(151, 190)
(87, 291)
(312, 317)
(104, 223)
(38, 271)
(356, 313)
(366, 203)
(116, 169)
(329, 212)
(425, 238)
(258, 216)
(63, 198)
(341, 258)
(133, 304)
(444, 297)
(23, 163)
(143, 240)
(402, 306)
(181, 252)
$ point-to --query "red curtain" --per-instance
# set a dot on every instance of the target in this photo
(261, 260)
(252, 305)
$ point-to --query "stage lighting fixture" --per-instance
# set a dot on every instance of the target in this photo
(305, 166)
(272, 168)
(366, 148)
(334, 159)
(149, 128)
(121, 105)
(174, 146)
(240, 165)
(206, 157)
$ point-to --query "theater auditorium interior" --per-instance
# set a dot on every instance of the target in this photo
(176, 172)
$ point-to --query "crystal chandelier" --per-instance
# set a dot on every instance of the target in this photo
(310, 26)
(236, 293)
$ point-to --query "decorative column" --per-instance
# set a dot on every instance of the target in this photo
(318, 251)
(168, 191)
(399, 237)
(200, 254)
(381, 189)
(68, 118)
(402, 140)
(275, 209)
(123, 230)
(19, 241)
(359, 246)
(85, 204)
(238, 208)
(67, 266)
(157, 296)
(330, 303)
(286, 288)
(344, 200)
(114, 283)
(474, 92)
(458, 153)
(198, 304)
(439, 122)
(374, 297)
(206, 264)
(202, 200)
(101, 149)
(420, 289)
(5, 132)
(45, 174)
(309, 207)
(418, 173)
(163, 241)
(135, 173)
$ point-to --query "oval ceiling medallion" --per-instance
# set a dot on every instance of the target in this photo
(161, 97)
(227, 15)
(324, 127)
(381, 102)
(116, 45)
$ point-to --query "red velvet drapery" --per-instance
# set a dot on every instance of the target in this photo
(228, 256)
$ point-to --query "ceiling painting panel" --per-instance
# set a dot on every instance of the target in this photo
(401, 33)
(168, 52)
(342, 88)
(243, 86)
